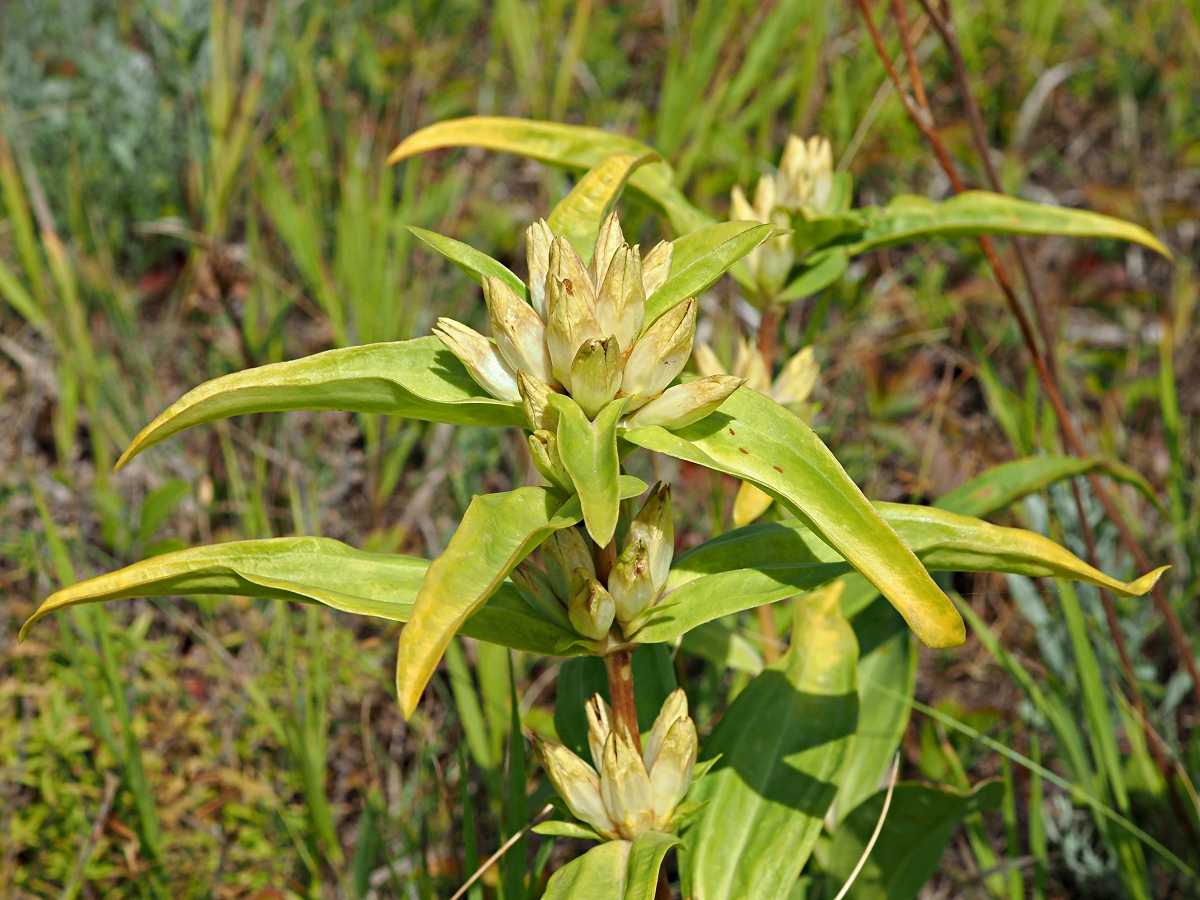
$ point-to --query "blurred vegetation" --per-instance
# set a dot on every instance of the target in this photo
(190, 187)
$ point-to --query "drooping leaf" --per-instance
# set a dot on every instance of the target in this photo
(474, 263)
(419, 379)
(597, 875)
(645, 859)
(909, 218)
(753, 438)
(812, 231)
(566, 146)
(311, 570)
(703, 273)
(819, 271)
(578, 215)
(782, 746)
(919, 823)
(589, 453)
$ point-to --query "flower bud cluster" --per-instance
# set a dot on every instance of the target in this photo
(632, 792)
(583, 333)
(568, 583)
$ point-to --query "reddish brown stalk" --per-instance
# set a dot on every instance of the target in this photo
(924, 122)
(619, 666)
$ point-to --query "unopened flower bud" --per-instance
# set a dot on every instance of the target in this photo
(660, 354)
(705, 359)
(519, 332)
(543, 446)
(572, 321)
(630, 583)
(805, 172)
(656, 266)
(535, 398)
(596, 374)
(621, 298)
(673, 708)
(578, 785)
(481, 358)
(686, 403)
(537, 254)
(564, 552)
(607, 241)
(537, 591)
(592, 607)
(655, 526)
(671, 772)
(625, 786)
(750, 364)
(599, 718)
(797, 380)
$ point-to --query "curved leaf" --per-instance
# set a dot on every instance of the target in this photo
(688, 248)
(782, 746)
(496, 533)
(559, 828)
(308, 570)
(646, 856)
(820, 270)
(753, 438)
(567, 146)
(699, 276)
(908, 218)
(717, 642)
(578, 215)
(597, 875)
(589, 454)
(471, 261)
(419, 379)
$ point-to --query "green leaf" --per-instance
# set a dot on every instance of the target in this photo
(812, 231)
(753, 438)
(887, 664)
(597, 875)
(557, 828)
(645, 859)
(820, 270)
(688, 248)
(312, 570)
(700, 275)
(579, 215)
(909, 218)
(783, 745)
(419, 379)
(717, 642)
(475, 264)
(910, 846)
(589, 453)
(158, 507)
(566, 146)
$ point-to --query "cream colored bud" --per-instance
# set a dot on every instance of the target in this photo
(625, 786)
(592, 607)
(535, 397)
(750, 365)
(684, 404)
(572, 322)
(539, 594)
(673, 708)
(706, 361)
(621, 300)
(740, 209)
(599, 718)
(578, 785)
(562, 553)
(566, 266)
(656, 266)
(537, 254)
(805, 172)
(480, 356)
(655, 525)
(630, 583)
(607, 241)
(543, 446)
(660, 354)
(765, 198)
(519, 333)
(797, 380)
(596, 374)
(672, 770)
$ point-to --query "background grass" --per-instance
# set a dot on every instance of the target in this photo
(192, 187)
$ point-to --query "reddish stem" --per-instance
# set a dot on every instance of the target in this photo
(619, 666)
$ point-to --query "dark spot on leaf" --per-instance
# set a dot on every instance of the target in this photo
(743, 449)
(777, 469)
(731, 431)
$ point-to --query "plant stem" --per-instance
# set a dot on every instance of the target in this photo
(619, 666)
(770, 636)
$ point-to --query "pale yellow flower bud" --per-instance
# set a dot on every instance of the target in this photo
(705, 359)
(566, 266)
(543, 446)
(538, 593)
(684, 404)
(519, 333)
(535, 398)
(656, 266)
(621, 300)
(596, 374)
(797, 380)
(607, 241)
(655, 526)
(805, 173)
(629, 582)
(537, 254)
(599, 718)
(674, 707)
(740, 209)
(562, 553)
(592, 608)
(672, 769)
(572, 321)
(625, 787)
(480, 356)
(660, 354)
(578, 785)
(749, 364)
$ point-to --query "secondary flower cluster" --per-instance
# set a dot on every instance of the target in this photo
(632, 793)
(569, 584)
(584, 333)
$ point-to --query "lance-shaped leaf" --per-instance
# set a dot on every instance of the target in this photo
(496, 533)
(782, 746)
(312, 570)
(566, 146)
(598, 874)
(753, 438)
(474, 263)
(646, 855)
(820, 270)
(589, 453)
(700, 275)
(908, 218)
(419, 379)
(688, 248)
(578, 215)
